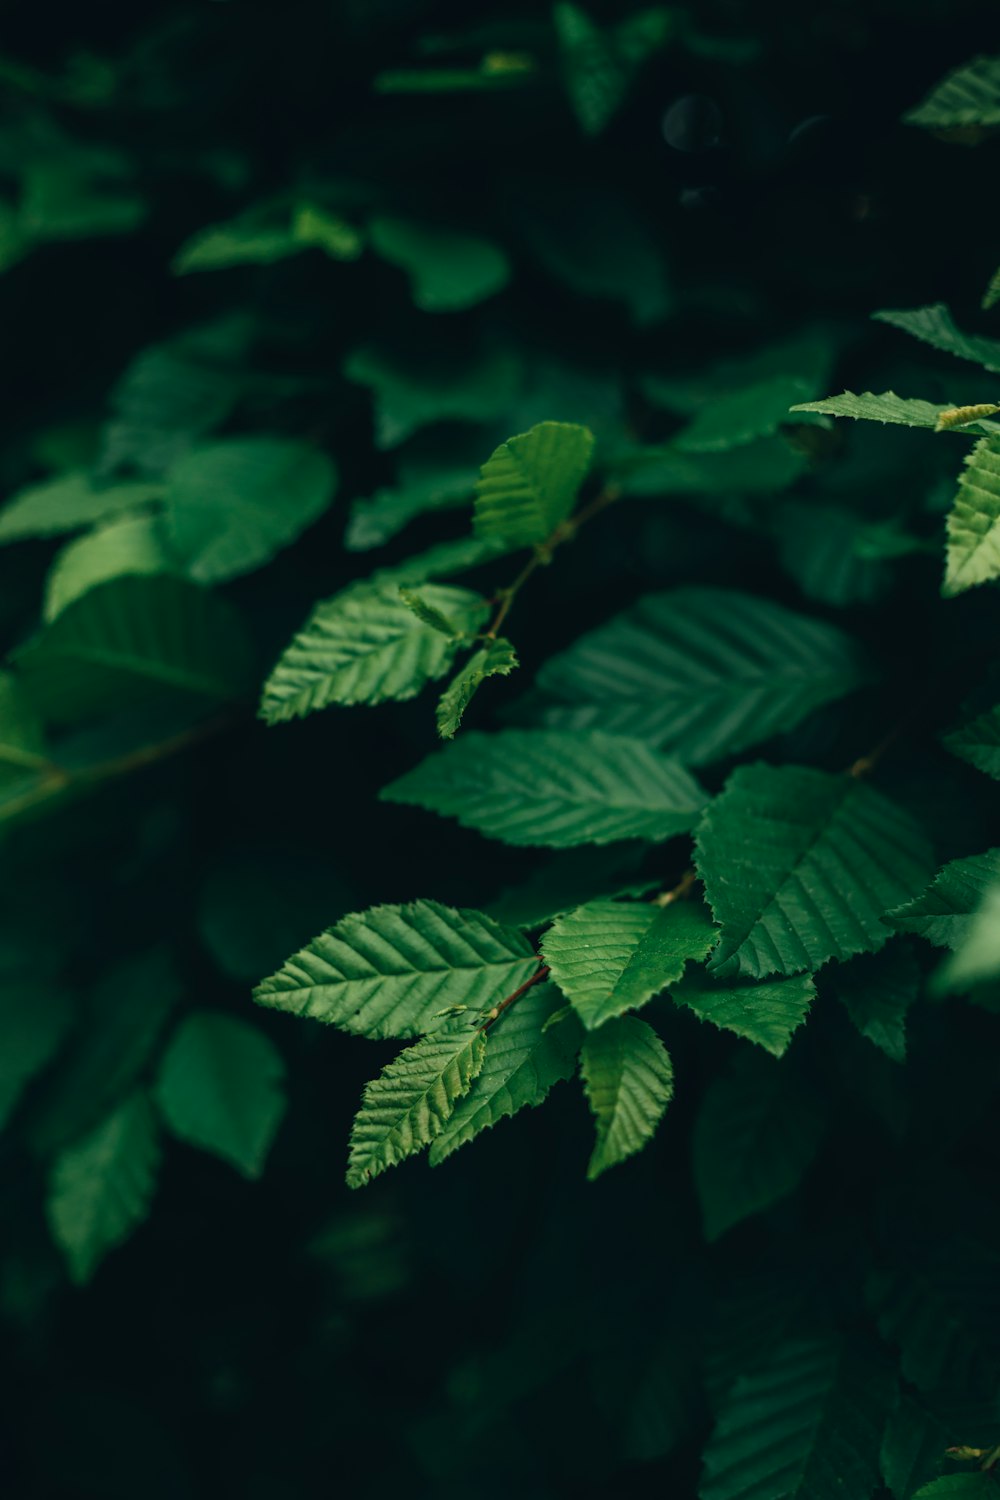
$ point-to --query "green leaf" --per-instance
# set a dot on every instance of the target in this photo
(877, 991)
(977, 1486)
(976, 959)
(938, 1305)
(807, 1426)
(449, 270)
(414, 387)
(70, 503)
(991, 296)
(126, 547)
(524, 1058)
(757, 1132)
(539, 787)
(101, 1186)
(235, 242)
(231, 506)
(800, 866)
(978, 742)
(564, 881)
(903, 411)
(598, 65)
(759, 468)
(731, 420)
(132, 638)
(933, 325)
(220, 1086)
(396, 970)
(969, 95)
(427, 614)
(412, 1100)
(424, 483)
(609, 956)
(943, 913)
(366, 645)
(913, 1447)
(172, 395)
(973, 553)
(35, 1019)
(498, 659)
(530, 484)
(22, 737)
(765, 1013)
(316, 228)
(629, 1081)
(701, 672)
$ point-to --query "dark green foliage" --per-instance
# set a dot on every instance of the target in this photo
(499, 551)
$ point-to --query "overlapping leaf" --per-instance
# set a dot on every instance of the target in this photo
(969, 95)
(130, 545)
(524, 1058)
(395, 970)
(412, 1100)
(365, 646)
(701, 672)
(978, 742)
(498, 659)
(70, 503)
(943, 913)
(877, 990)
(934, 325)
(886, 408)
(449, 269)
(611, 956)
(738, 417)
(800, 866)
(766, 1013)
(973, 554)
(629, 1080)
(530, 483)
(557, 789)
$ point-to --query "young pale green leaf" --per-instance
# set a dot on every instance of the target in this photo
(524, 1058)
(806, 1426)
(133, 638)
(102, 1186)
(411, 1101)
(877, 990)
(801, 866)
(316, 228)
(766, 1013)
(969, 95)
(611, 956)
(973, 553)
(235, 242)
(540, 787)
(913, 1447)
(35, 1019)
(232, 505)
(449, 269)
(127, 546)
(428, 614)
(701, 672)
(220, 1086)
(70, 503)
(629, 1081)
(991, 296)
(22, 736)
(739, 417)
(396, 970)
(415, 388)
(943, 913)
(886, 408)
(978, 742)
(933, 325)
(976, 960)
(498, 659)
(530, 484)
(755, 1137)
(366, 645)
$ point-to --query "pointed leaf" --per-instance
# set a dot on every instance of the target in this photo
(414, 386)
(974, 521)
(448, 269)
(943, 913)
(738, 417)
(220, 1086)
(807, 1426)
(629, 1080)
(130, 545)
(498, 659)
(530, 484)
(102, 1186)
(976, 960)
(537, 787)
(877, 991)
(611, 956)
(412, 1100)
(800, 866)
(567, 880)
(700, 672)
(756, 1135)
(132, 638)
(765, 1013)
(366, 646)
(933, 325)
(888, 407)
(395, 970)
(524, 1058)
(978, 742)
(70, 503)
(969, 95)
(991, 296)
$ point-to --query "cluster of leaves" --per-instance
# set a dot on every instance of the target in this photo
(726, 660)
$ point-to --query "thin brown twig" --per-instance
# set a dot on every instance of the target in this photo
(680, 892)
(541, 973)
